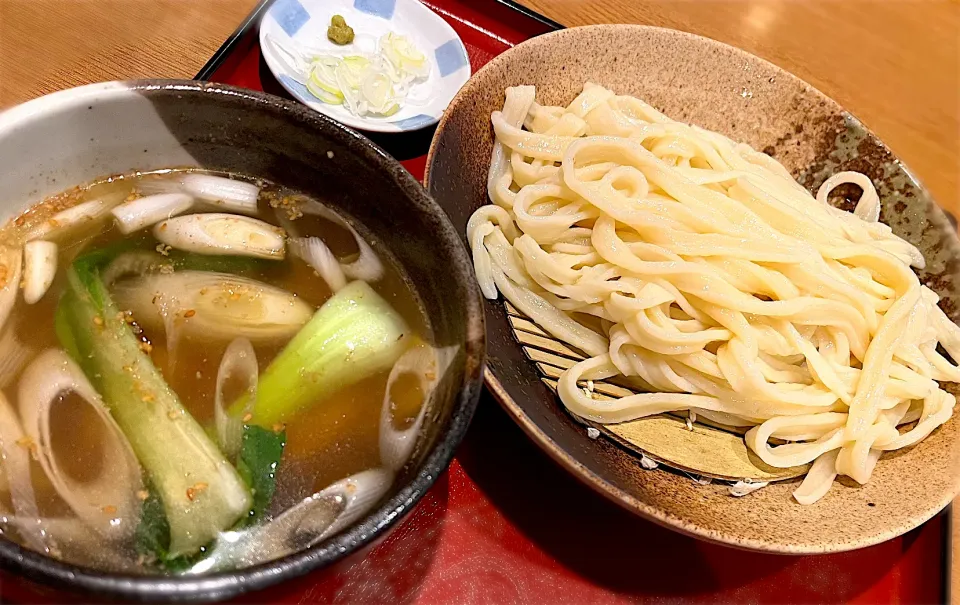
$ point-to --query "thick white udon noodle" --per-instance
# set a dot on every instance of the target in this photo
(722, 286)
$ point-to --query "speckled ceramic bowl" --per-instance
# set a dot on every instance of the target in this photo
(76, 136)
(701, 81)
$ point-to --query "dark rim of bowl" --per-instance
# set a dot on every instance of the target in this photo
(223, 585)
(568, 461)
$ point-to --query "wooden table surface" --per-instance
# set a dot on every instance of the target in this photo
(894, 63)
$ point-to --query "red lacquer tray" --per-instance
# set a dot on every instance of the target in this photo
(507, 525)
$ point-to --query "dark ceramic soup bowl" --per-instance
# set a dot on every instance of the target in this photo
(76, 136)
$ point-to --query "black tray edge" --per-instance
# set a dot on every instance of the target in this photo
(225, 50)
(532, 14)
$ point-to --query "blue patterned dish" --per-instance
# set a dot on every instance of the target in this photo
(291, 26)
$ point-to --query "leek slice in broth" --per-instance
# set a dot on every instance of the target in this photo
(202, 493)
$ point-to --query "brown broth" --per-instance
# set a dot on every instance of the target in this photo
(325, 443)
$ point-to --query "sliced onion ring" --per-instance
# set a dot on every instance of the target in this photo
(146, 211)
(217, 191)
(107, 504)
(64, 222)
(301, 526)
(367, 266)
(239, 359)
(315, 253)
(39, 269)
(13, 355)
(11, 267)
(428, 365)
(217, 233)
(15, 450)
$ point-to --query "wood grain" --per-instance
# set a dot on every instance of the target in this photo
(48, 45)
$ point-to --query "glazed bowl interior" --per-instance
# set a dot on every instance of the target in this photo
(703, 82)
(77, 136)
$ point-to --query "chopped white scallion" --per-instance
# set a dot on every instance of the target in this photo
(212, 306)
(366, 84)
(300, 526)
(648, 463)
(238, 360)
(218, 233)
(146, 211)
(39, 269)
(11, 267)
(592, 433)
(13, 356)
(315, 253)
(221, 192)
(428, 365)
(230, 194)
(67, 220)
(115, 486)
(367, 266)
(15, 448)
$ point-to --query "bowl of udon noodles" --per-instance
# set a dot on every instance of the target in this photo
(712, 294)
(238, 342)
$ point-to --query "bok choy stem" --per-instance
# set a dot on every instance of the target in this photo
(353, 335)
(202, 494)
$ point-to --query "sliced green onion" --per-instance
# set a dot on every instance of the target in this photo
(405, 57)
(213, 306)
(352, 336)
(202, 493)
(369, 84)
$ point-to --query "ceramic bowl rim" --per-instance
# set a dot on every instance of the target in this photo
(568, 461)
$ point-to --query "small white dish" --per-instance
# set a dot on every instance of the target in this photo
(290, 26)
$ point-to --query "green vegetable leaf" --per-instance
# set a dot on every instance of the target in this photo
(153, 532)
(101, 257)
(201, 493)
(152, 537)
(354, 335)
(236, 265)
(260, 454)
(61, 326)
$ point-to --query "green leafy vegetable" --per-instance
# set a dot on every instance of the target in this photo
(237, 265)
(153, 532)
(61, 326)
(202, 494)
(353, 335)
(260, 455)
(152, 538)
